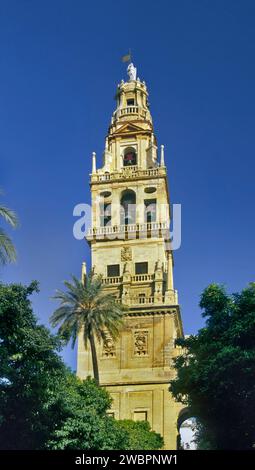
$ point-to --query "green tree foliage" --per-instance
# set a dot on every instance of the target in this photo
(30, 373)
(86, 307)
(88, 426)
(215, 373)
(7, 249)
(43, 405)
(140, 435)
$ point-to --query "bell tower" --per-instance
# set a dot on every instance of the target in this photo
(129, 239)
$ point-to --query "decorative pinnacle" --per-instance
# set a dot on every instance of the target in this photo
(94, 169)
(83, 272)
(162, 157)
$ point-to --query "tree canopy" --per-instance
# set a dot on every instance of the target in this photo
(140, 435)
(87, 425)
(215, 373)
(43, 405)
(31, 373)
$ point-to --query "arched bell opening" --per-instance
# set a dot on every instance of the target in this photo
(128, 207)
(129, 157)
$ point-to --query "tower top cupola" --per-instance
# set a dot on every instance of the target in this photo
(130, 141)
(132, 101)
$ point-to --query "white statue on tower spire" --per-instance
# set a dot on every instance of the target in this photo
(131, 70)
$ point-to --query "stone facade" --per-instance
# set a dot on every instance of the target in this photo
(129, 240)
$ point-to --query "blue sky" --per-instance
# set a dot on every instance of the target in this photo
(60, 64)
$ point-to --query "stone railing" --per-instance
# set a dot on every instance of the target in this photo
(142, 278)
(130, 110)
(164, 299)
(137, 278)
(112, 280)
(151, 300)
(141, 300)
(153, 229)
(128, 172)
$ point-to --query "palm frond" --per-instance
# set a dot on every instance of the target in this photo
(9, 216)
(7, 249)
(87, 308)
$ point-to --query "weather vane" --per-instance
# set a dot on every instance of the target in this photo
(131, 70)
(127, 57)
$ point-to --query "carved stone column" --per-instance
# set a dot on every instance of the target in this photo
(126, 284)
(170, 293)
(158, 283)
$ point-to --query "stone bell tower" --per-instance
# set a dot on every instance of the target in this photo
(129, 240)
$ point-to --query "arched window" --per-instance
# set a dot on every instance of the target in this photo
(150, 208)
(130, 158)
(105, 209)
(128, 207)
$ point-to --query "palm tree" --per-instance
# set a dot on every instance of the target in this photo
(7, 249)
(86, 307)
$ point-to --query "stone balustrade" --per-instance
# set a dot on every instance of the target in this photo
(141, 300)
(128, 172)
(142, 278)
(153, 229)
(130, 110)
(112, 280)
(137, 278)
(166, 299)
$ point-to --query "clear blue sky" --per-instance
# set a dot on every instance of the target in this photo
(60, 64)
